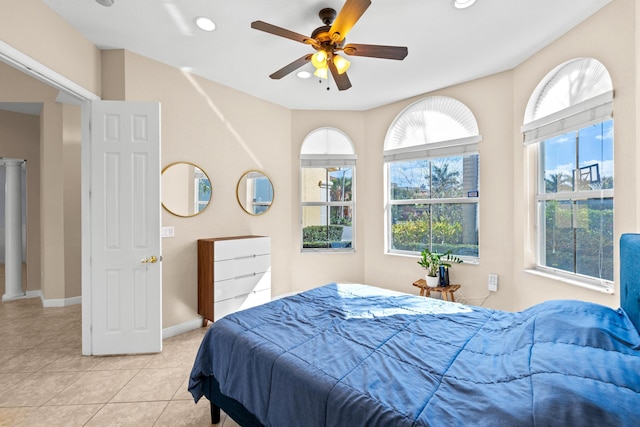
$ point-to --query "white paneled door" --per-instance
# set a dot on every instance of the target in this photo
(126, 273)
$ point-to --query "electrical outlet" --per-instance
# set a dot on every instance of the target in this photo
(493, 282)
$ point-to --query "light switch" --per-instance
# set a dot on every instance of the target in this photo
(168, 232)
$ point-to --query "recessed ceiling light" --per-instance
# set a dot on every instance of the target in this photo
(106, 3)
(204, 23)
(463, 4)
(304, 74)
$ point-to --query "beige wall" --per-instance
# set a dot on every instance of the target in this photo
(38, 32)
(311, 269)
(227, 133)
(490, 99)
(52, 201)
(20, 139)
(616, 48)
(71, 140)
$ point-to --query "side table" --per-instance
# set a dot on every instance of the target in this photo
(446, 292)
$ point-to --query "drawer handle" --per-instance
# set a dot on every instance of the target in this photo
(245, 275)
(246, 256)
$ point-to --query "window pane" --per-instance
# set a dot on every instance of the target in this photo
(594, 238)
(315, 185)
(410, 227)
(579, 237)
(593, 147)
(409, 180)
(455, 228)
(559, 248)
(327, 227)
(595, 150)
(446, 177)
(441, 227)
(341, 180)
(559, 163)
(440, 178)
(327, 184)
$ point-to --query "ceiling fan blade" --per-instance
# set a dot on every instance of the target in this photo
(291, 67)
(342, 80)
(278, 31)
(347, 18)
(376, 51)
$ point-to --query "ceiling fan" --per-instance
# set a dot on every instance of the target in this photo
(328, 40)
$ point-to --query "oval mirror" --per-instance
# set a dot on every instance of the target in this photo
(255, 192)
(186, 189)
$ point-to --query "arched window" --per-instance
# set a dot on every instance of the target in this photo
(569, 118)
(327, 171)
(431, 161)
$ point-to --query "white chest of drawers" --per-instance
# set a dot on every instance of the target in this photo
(234, 273)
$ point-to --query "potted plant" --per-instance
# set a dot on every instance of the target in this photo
(431, 262)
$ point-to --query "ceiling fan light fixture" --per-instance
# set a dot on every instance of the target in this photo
(204, 23)
(303, 74)
(463, 4)
(319, 59)
(322, 72)
(342, 64)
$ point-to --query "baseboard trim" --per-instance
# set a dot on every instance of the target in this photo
(63, 302)
(33, 294)
(181, 328)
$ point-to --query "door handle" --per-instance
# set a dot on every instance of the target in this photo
(151, 260)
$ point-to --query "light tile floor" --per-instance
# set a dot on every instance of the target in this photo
(45, 381)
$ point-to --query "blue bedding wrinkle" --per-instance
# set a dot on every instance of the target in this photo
(356, 355)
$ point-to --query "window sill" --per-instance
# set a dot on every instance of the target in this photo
(603, 286)
(327, 251)
(466, 260)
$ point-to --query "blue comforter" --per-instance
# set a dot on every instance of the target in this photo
(355, 355)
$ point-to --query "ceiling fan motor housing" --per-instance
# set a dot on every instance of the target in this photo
(327, 16)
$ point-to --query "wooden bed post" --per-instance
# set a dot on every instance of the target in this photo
(630, 277)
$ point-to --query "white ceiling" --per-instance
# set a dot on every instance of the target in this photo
(446, 46)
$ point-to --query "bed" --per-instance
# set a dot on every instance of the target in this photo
(356, 355)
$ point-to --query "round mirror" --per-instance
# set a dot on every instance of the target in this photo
(255, 192)
(186, 189)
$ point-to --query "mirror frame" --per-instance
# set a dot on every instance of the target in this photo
(205, 174)
(273, 192)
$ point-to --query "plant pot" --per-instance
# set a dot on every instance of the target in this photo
(432, 281)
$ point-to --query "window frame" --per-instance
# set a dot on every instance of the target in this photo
(437, 140)
(439, 201)
(573, 196)
(590, 103)
(346, 159)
